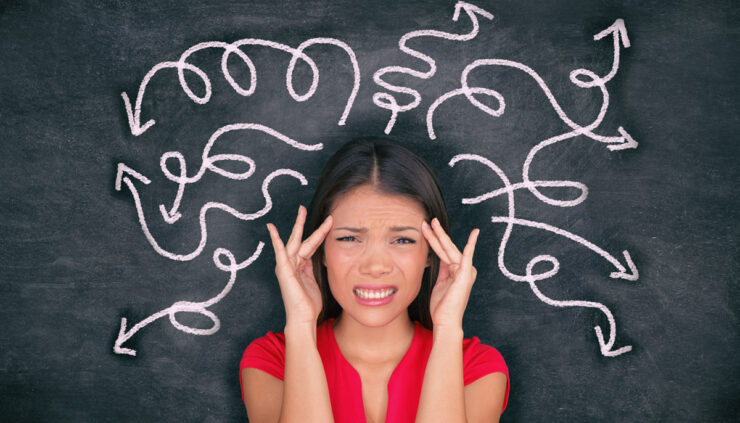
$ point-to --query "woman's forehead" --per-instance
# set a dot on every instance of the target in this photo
(367, 206)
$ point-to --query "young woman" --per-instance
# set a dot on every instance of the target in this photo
(374, 300)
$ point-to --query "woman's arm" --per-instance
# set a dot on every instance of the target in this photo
(443, 394)
(303, 394)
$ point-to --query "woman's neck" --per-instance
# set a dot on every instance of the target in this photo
(373, 345)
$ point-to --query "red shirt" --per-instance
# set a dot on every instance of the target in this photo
(345, 387)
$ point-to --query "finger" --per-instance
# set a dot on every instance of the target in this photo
(277, 244)
(311, 244)
(452, 252)
(433, 241)
(469, 249)
(297, 234)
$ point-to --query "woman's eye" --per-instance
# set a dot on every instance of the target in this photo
(405, 241)
(348, 238)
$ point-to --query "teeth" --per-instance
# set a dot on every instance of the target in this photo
(372, 294)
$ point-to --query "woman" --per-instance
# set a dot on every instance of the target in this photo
(374, 301)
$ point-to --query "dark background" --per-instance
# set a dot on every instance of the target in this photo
(74, 259)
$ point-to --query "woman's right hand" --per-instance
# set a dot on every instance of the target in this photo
(294, 270)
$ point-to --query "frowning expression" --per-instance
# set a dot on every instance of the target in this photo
(375, 254)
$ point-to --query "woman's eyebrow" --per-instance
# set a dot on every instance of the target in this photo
(347, 228)
(361, 230)
(403, 228)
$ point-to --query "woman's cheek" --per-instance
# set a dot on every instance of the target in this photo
(412, 258)
(338, 254)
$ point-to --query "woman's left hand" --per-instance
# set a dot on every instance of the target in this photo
(456, 276)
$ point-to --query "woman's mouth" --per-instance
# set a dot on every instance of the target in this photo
(374, 296)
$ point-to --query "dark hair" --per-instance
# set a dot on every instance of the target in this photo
(390, 168)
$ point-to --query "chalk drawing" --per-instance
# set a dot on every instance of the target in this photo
(621, 268)
(209, 163)
(386, 100)
(123, 169)
(530, 277)
(232, 267)
(125, 174)
(134, 114)
(582, 78)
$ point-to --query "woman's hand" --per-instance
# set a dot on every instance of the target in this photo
(293, 268)
(456, 276)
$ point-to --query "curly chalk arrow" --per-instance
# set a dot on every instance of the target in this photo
(388, 101)
(134, 113)
(530, 277)
(614, 142)
(122, 169)
(210, 163)
(188, 306)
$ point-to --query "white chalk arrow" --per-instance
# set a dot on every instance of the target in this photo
(628, 141)
(619, 33)
(606, 347)
(615, 142)
(203, 212)
(622, 272)
(134, 112)
(189, 307)
(624, 141)
(122, 173)
(210, 162)
(386, 100)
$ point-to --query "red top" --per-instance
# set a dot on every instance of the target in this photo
(345, 387)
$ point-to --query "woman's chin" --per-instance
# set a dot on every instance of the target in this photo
(375, 317)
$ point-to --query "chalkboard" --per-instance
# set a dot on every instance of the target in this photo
(146, 144)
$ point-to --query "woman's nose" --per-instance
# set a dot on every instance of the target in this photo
(375, 261)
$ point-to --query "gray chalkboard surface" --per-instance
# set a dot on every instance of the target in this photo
(146, 144)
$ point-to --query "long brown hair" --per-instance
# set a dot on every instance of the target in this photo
(392, 169)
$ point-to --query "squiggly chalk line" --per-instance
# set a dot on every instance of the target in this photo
(388, 101)
(530, 277)
(191, 307)
(202, 216)
(209, 163)
(134, 115)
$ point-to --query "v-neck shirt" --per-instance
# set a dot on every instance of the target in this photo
(267, 353)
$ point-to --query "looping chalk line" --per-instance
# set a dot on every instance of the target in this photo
(134, 114)
(211, 163)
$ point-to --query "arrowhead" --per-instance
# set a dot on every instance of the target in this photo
(632, 275)
(606, 350)
(628, 141)
(471, 9)
(134, 118)
(618, 29)
(123, 337)
(122, 168)
(169, 217)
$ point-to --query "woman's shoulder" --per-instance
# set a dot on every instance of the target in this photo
(266, 353)
(271, 347)
(480, 359)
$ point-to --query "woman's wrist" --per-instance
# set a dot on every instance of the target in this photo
(447, 331)
(300, 329)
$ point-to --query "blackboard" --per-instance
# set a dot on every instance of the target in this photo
(140, 165)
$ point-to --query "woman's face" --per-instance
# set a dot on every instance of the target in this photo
(375, 254)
